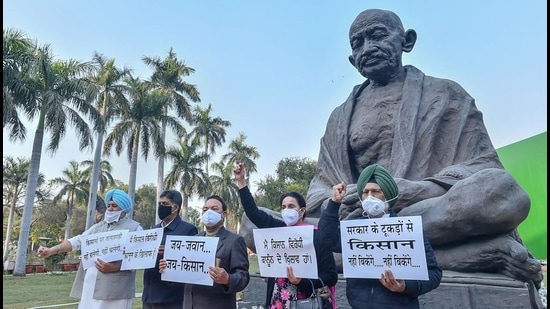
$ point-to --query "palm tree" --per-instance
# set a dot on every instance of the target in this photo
(168, 77)
(14, 176)
(55, 94)
(139, 126)
(18, 50)
(106, 179)
(74, 188)
(187, 170)
(208, 130)
(239, 152)
(110, 90)
(224, 186)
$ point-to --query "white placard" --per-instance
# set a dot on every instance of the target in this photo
(280, 247)
(188, 258)
(369, 246)
(141, 249)
(107, 246)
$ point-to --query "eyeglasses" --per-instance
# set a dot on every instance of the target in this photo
(374, 192)
(166, 204)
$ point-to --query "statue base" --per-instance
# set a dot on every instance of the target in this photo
(456, 291)
(480, 290)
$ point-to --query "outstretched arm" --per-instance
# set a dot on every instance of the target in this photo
(64, 246)
(260, 218)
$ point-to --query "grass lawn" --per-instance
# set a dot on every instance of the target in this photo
(34, 290)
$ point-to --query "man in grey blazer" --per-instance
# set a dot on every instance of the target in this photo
(105, 285)
(230, 274)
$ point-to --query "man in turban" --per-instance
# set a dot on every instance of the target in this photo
(122, 200)
(105, 285)
(377, 183)
(378, 193)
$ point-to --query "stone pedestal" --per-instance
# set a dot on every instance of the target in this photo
(480, 291)
(456, 291)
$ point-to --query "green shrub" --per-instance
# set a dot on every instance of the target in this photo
(53, 260)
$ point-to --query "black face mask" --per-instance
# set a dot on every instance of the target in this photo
(164, 211)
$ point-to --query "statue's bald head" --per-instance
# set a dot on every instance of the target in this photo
(370, 16)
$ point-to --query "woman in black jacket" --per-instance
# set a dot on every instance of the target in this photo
(293, 212)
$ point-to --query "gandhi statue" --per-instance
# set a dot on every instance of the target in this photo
(430, 135)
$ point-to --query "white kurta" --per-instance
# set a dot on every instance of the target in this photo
(87, 300)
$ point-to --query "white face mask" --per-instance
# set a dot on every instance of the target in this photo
(112, 216)
(374, 207)
(211, 218)
(290, 216)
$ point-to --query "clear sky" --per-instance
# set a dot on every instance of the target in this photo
(276, 69)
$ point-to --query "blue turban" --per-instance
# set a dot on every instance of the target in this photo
(377, 174)
(121, 198)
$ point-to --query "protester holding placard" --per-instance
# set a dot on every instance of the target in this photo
(105, 285)
(378, 192)
(230, 274)
(159, 294)
(280, 291)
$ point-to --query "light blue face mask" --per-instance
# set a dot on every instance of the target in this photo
(211, 218)
(290, 216)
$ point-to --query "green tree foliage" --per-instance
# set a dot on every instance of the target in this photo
(18, 54)
(52, 92)
(146, 211)
(109, 91)
(51, 261)
(139, 129)
(240, 152)
(194, 217)
(73, 190)
(292, 174)
(209, 131)
(78, 222)
(187, 172)
(224, 186)
(49, 221)
(168, 77)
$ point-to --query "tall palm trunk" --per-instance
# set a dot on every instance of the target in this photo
(70, 209)
(184, 207)
(94, 182)
(32, 184)
(207, 156)
(96, 168)
(9, 228)
(160, 183)
(160, 169)
(133, 172)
